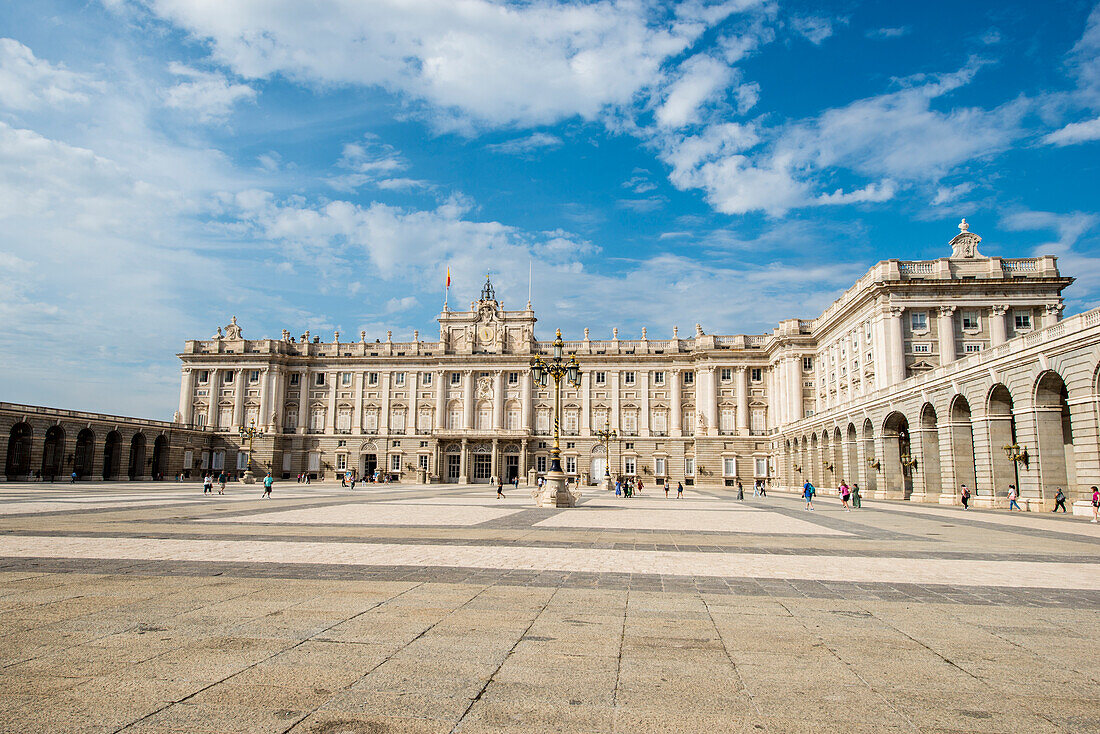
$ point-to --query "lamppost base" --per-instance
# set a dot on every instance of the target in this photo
(248, 477)
(607, 484)
(554, 492)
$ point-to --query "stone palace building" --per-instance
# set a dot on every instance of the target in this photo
(914, 381)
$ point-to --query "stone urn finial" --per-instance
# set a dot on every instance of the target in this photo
(586, 333)
(336, 337)
(416, 335)
(698, 330)
(363, 336)
(389, 335)
(615, 333)
(644, 333)
(675, 332)
(963, 226)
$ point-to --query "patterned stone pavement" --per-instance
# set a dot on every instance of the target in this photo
(151, 608)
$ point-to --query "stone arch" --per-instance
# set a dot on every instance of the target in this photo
(813, 471)
(930, 468)
(1054, 431)
(804, 460)
(53, 452)
(112, 455)
(869, 456)
(18, 464)
(1001, 425)
(84, 456)
(961, 432)
(851, 454)
(136, 468)
(827, 467)
(839, 463)
(896, 455)
(160, 456)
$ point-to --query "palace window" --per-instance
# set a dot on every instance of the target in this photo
(727, 374)
(571, 421)
(425, 379)
(1023, 319)
(203, 377)
(726, 420)
(295, 379)
(970, 320)
(343, 421)
(372, 378)
(454, 419)
(345, 378)
(395, 462)
(227, 377)
(761, 467)
(630, 466)
(317, 420)
(689, 466)
(659, 466)
(422, 461)
(397, 421)
(424, 420)
(513, 378)
(630, 423)
(543, 422)
(972, 348)
(658, 378)
(319, 379)
(540, 463)
(600, 378)
(756, 374)
(456, 378)
(807, 363)
(628, 378)
(513, 419)
(922, 348)
(341, 462)
(918, 320)
(399, 379)
(689, 378)
(570, 464)
(484, 418)
(729, 466)
(370, 420)
(660, 422)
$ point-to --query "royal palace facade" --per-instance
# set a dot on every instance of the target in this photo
(913, 381)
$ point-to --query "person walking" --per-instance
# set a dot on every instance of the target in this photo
(1059, 500)
(268, 481)
(208, 484)
(964, 495)
(72, 478)
(756, 488)
(740, 491)
(808, 493)
(221, 483)
(679, 490)
(857, 501)
(666, 489)
(763, 489)
(1012, 495)
(500, 489)
(1095, 503)
(845, 492)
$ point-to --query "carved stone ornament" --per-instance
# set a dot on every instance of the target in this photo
(232, 331)
(965, 243)
(485, 388)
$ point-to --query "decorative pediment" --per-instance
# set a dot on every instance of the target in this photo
(965, 243)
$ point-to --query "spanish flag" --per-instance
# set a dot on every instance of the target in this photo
(448, 276)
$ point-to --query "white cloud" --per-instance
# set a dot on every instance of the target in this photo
(896, 32)
(874, 192)
(526, 145)
(372, 162)
(701, 78)
(814, 29)
(474, 62)
(28, 82)
(1075, 132)
(208, 94)
(949, 194)
(400, 304)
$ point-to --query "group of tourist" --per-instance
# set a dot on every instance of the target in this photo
(847, 494)
(222, 479)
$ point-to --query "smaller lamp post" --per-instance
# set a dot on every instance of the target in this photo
(1017, 454)
(606, 436)
(250, 434)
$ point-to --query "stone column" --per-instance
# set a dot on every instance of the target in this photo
(187, 392)
(1052, 314)
(384, 411)
(357, 419)
(794, 389)
(586, 404)
(498, 405)
(303, 401)
(494, 465)
(643, 409)
(527, 398)
(463, 466)
(214, 395)
(440, 401)
(946, 328)
(997, 332)
(614, 422)
(264, 418)
(468, 400)
(741, 374)
(896, 345)
(330, 415)
(523, 460)
(675, 410)
(238, 400)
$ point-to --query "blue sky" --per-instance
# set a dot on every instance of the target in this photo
(166, 164)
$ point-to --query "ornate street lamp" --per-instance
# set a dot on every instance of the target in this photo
(554, 490)
(249, 433)
(606, 436)
(1017, 454)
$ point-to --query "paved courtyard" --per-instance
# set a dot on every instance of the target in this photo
(136, 607)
